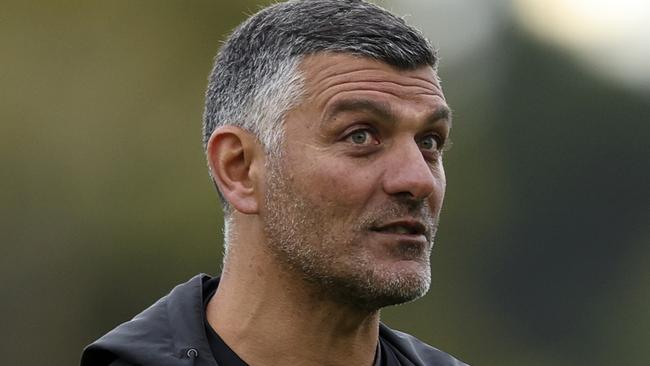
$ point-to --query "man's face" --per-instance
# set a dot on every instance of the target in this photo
(352, 204)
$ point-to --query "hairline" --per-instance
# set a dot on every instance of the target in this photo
(258, 78)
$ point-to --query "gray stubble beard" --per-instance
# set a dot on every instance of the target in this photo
(299, 243)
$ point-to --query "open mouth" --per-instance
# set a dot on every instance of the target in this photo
(404, 227)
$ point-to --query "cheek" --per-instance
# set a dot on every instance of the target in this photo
(337, 184)
(440, 186)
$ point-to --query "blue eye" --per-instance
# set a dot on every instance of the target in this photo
(362, 137)
(429, 142)
(359, 137)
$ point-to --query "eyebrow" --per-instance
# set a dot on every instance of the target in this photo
(380, 109)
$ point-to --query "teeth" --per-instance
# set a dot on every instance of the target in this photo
(399, 230)
(402, 230)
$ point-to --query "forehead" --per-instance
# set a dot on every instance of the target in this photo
(331, 77)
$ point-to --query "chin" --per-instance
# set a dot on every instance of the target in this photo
(408, 281)
(398, 283)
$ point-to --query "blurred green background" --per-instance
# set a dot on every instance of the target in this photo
(542, 257)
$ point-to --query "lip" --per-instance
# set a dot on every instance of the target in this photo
(405, 240)
(416, 228)
(409, 247)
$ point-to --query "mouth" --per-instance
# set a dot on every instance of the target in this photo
(410, 228)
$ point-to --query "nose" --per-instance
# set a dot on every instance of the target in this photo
(408, 173)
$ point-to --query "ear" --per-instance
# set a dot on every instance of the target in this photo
(234, 156)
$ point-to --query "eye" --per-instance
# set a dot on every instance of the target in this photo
(362, 137)
(430, 142)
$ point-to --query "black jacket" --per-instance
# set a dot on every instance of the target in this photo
(171, 332)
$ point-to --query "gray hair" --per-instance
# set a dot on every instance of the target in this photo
(256, 79)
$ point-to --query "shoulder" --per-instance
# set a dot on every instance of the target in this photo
(161, 335)
(121, 363)
(102, 357)
(416, 351)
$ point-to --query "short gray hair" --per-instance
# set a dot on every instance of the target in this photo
(256, 79)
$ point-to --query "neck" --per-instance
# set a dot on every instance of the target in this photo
(269, 316)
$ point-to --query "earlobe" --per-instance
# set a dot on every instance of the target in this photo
(231, 154)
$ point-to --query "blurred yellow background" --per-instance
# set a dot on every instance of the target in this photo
(543, 253)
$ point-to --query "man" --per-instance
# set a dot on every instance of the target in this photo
(324, 129)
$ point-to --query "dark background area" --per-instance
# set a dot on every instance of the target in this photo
(105, 203)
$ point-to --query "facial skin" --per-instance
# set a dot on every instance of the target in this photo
(315, 244)
(352, 204)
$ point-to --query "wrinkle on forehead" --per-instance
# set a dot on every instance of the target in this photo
(329, 74)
